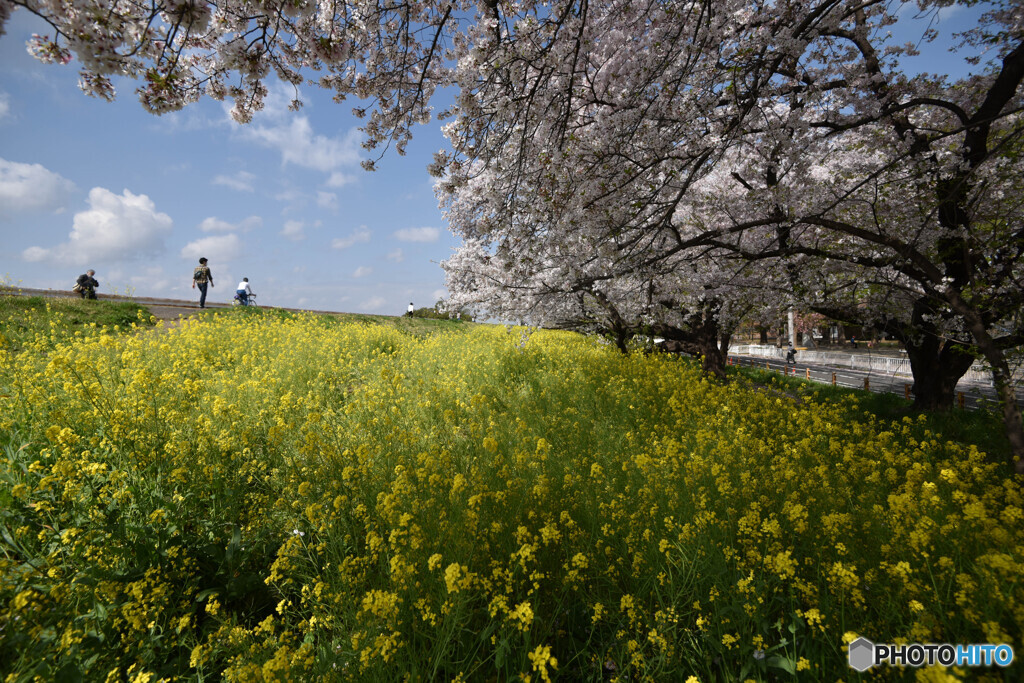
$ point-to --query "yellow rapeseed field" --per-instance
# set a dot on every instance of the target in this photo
(251, 498)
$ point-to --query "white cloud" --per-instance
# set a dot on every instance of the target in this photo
(440, 294)
(217, 248)
(241, 181)
(299, 145)
(250, 223)
(5, 106)
(31, 187)
(373, 303)
(289, 195)
(276, 103)
(418, 234)
(339, 179)
(362, 271)
(294, 230)
(214, 224)
(188, 120)
(360, 236)
(395, 256)
(327, 200)
(147, 281)
(116, 227)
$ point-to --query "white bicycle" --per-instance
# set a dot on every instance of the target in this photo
(238, 302)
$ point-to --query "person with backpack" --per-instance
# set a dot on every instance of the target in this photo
(791, 355)
(86, 284)
(202, 276)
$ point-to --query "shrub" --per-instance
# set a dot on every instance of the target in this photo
(347, 502)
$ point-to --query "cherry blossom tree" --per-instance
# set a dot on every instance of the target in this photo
(911, 184)
(930, 212)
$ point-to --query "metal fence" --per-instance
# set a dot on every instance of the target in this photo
(882, 364)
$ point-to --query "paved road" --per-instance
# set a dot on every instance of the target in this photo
(974, 394)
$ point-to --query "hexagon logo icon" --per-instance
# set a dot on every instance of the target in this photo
(862, 654)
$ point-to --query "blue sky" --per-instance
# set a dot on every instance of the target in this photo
(139, 198)
(282, 200)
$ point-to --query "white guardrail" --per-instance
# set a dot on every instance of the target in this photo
(882, 364)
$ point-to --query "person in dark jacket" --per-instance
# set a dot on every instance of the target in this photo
(201, 277)
(86, 285)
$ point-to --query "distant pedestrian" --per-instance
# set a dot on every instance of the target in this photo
(202, 276)
(86, 284)
(791, 355)
(853, 341)
(410, 309)
(243, 292)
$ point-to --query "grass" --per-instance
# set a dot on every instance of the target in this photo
(27, 318)
(982, 427)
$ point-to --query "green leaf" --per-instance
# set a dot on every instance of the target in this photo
(783, 663)
(234, 545)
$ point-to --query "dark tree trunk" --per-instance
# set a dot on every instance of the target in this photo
(763, 332)
(1003, 377)
(937, 366)
(617, 326)
(712, 358)
(937, 362)
(699, 339)
(621, 337)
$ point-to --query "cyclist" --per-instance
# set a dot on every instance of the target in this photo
(244, 291)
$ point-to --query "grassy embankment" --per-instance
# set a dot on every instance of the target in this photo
(49, 320)
(346, 501)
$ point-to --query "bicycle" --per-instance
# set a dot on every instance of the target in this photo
(252, 301)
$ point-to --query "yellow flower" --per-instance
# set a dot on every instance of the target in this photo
(523, 613)
(541, 659)
(434, 562)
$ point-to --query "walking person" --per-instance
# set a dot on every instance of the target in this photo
(243, 292)
(791, 355)
(202, 276)
(86, 285)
